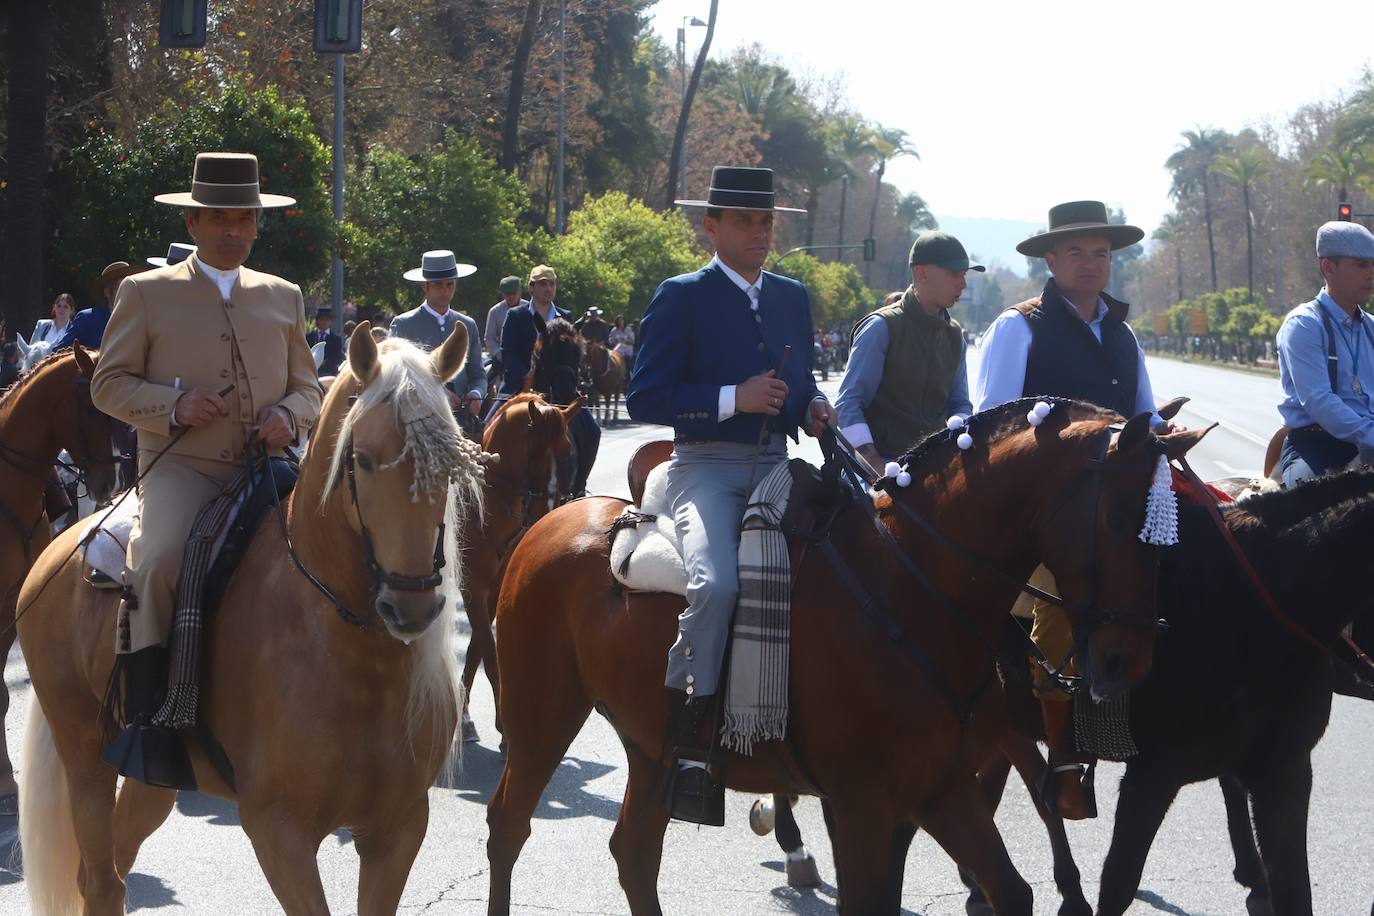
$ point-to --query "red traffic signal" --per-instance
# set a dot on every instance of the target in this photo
(1344, 212)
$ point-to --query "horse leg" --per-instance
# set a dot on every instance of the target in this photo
(1280, 801)
(637, 841)
(91, 785)
(1143, 801)
(385, 860)
(828, 815)
(992, 780)
(139, 810)
(1249, 870)
(1025, 756)
(286, 850)
(800, 864)
(9, 789)
(959, 820)
(863, 844)
(536, 739)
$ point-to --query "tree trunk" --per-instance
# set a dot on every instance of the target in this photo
(1249, 243)
(510, 132)
(873, 211)
(25, 220)
(844, 202)
(1207, 210)
(1178, 263)
(813, 203)
(680, 135)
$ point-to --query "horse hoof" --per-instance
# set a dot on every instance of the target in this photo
(979, 908)
(762, 816)
(1078, 907)
(1258, 904)
(802, 872)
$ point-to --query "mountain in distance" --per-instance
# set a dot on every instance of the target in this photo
(988, 240)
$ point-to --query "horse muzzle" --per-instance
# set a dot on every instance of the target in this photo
(407, 615)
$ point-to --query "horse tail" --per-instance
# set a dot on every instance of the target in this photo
(47, 833)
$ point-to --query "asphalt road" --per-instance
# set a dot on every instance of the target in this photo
(201, 862)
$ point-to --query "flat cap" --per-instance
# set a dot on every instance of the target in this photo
(542, 272)
(1340, 239)
(510, 285)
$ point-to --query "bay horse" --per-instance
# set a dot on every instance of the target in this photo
(568, 639)
(605, 370)
(45, 412)
(336, 703)
(529, 435)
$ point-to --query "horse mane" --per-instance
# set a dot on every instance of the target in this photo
(1283, 508)
(444, 460)
(47, 365)
(1001, 421)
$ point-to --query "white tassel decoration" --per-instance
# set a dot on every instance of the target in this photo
(892, 469)
(904, 479)
(965, 441)
(1161, 509)
(954, 422)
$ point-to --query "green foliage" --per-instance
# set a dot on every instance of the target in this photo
(112, 215)
(616, 253)
(1231, 318)
(451, 196)
(837, 290)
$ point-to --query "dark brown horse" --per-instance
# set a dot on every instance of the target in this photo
(47, 411)
(569, 639)
(529, 435)
(605, 370)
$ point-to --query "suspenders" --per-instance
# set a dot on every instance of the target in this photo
(1331, 342)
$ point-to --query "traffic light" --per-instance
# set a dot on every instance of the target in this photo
(338, 26)
(1344, 212)
(870, 250)
(182, 24)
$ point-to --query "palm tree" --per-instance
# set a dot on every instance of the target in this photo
(680, 135)
(1342, 166)
(888, 144)
(1191, 164)
(853, 140)
(1247, 166)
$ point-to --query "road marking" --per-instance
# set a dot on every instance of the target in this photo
(1230, 428)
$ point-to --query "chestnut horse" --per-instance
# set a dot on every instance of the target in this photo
(45, 412)
(605, 370)
(892, 743)
(327, 721)
(529, 435)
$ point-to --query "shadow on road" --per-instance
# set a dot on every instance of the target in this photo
(144, 892)
(216, 811)
(1164, 906)
(809, 900)
(565, 796)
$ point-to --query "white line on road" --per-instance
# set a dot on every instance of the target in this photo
(1230, 428)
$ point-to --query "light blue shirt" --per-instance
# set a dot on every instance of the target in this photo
(1307, 395)
(1005, 347)
(864, 375)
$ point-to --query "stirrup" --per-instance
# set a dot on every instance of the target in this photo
(1049, 786)
(695, 793)
(153, 755)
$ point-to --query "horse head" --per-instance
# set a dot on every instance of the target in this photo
(557, 361)
(530, 435)
(1024, 482)
(398, 456)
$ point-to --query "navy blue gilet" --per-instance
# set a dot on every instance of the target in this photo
(1066, 360)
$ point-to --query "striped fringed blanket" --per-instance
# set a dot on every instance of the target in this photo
(188, 623)
(756, 692)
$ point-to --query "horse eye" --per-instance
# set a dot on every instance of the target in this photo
(364, 462)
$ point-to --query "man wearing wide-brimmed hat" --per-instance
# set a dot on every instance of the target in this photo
(430, 324)
(1072, 341)
(88, 326)
(906, 375)
(710, 348)
(176, 253)
(593, 327)
(207, 358)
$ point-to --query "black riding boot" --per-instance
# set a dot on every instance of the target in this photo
(695, 790)
(149, 753)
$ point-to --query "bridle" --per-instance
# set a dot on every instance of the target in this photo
(550, 495)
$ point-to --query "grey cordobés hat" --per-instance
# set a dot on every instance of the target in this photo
(440, 264)
(1080, 217)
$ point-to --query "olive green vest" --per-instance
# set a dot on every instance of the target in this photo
(923, 355)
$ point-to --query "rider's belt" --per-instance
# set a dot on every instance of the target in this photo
(1310, 428)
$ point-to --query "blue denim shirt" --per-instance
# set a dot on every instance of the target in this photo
(1307, 396)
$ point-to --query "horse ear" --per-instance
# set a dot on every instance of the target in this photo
(83, 360)
(1169, 410)
(362, 353)
(574, 408)
(533, 411)
(447, 360)
(1134, 434)
(1176, 445)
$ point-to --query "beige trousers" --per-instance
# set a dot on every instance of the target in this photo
(1051, 631)
(169, 498)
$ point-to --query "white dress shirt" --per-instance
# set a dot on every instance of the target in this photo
(224, 279)
(726, 404)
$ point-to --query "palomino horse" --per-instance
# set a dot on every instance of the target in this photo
(45, 412)
(334, 711)
(605, 369)
(567, 639)
(529, 435)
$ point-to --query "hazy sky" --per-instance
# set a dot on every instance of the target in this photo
(1014, 106)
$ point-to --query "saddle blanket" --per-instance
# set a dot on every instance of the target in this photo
(646, 555)
(106, 537)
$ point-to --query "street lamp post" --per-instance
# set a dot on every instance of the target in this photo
(560, 216)
(682, 73)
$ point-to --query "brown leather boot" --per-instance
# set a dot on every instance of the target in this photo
(1063, 789)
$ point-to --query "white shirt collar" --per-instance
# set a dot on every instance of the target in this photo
(224, 279)
(750, 289)
(442, 319)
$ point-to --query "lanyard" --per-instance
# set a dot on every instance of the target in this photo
(1352, 346)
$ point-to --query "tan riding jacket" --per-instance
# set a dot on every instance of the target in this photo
(170, 326)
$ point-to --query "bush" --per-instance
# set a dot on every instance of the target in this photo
(113, 216)
(453, 196)
(838, 294)
(616, 253)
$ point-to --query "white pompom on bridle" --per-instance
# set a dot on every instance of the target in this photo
(1161, 508)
